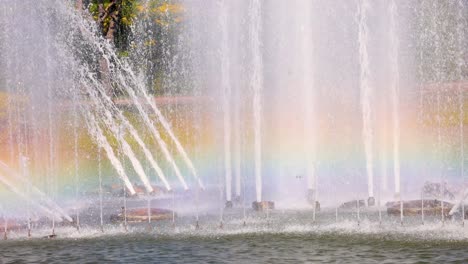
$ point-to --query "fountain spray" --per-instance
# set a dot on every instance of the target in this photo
(336, 214)
(124, 190)
(51, 177)
(438, 111)
(237, 151)
(110, 123)
(124, 208)
(422, 207)
(5, 228)
(439, 144)
(173, 208)
(308, 92)
(5, 224)
(9, 86)
(395, 79)
(156, 135)
(358, 212)
(221, 207)
(102, 141)
(241, 170)
(23, 161)
(75, 152)
(244, 205)
(169, 131)
(226, 87)
(149, 209)
(365, 95)
(256, 83)
(127, 79)
(36, 191)
(101, 218)
(12, 187)
(141, 89)
(379, 199)
(109, 108)
(461, 99)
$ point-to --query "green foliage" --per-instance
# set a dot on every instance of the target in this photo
(127, 8)
(154, 49)
(123, 12)
(163, 13)
(123, 53)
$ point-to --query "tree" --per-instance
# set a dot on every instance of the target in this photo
(153, 45)
(114, 18)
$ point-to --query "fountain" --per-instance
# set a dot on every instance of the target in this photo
(256, 83)
(365, 97)
(301, 107)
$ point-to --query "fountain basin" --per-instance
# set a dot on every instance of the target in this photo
(138, 215)
(263, 205)
(414, 207)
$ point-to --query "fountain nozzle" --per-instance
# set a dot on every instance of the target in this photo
(263, 205)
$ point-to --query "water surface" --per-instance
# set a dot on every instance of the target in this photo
(236, 248)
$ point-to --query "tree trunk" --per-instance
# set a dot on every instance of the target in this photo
(109, 34)
(112, 13)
